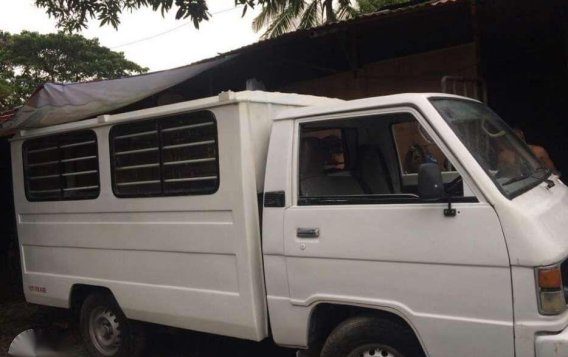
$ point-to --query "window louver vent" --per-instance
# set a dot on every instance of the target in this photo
(62, 167)
(165, 157)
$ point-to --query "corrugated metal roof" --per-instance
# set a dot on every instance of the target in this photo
(397, 10)
(393, 10)
(405, 7)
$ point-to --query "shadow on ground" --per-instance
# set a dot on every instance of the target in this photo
(17, 316)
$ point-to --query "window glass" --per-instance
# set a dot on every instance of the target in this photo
(168, 156)
(499, 151)
(334, 143)
(61, 167)
(415, 147)
(368, 160)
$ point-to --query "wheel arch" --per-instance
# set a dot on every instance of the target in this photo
(325, 316)
(79, 292)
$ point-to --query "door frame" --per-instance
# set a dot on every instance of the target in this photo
(395, 109)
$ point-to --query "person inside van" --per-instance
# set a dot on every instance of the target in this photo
(538, 151)
(509, 164)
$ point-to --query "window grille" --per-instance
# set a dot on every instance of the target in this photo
(168, 156)
(61, 167)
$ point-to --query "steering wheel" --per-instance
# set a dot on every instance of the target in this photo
(488, 132)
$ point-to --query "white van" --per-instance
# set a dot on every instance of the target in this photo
(407, 225)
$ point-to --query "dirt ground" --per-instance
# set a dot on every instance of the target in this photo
(17, 316)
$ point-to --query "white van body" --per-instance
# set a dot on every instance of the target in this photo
(156, 255)
(463, 284)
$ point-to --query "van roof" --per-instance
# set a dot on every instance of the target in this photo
(223, 98)
(308, 105)
(362, 104)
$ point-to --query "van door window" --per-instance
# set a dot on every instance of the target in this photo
(326, 167)
(415, 147)
(367, 160)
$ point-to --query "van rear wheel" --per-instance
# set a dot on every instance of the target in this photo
(374, 350)
(105, 329)
(366, 336)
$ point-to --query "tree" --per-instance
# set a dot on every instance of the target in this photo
(5, 91)
(368, 6)
(278, 15)
(73, 15)
(30, 59)
(281, 16)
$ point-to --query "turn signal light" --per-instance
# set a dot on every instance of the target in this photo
(550, 278)
(551, 299)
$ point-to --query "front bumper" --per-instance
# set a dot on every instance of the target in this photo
(552, 345)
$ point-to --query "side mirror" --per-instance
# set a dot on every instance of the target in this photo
(430, 183)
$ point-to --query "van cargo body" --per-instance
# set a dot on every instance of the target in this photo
(192, 262)
(407, 225)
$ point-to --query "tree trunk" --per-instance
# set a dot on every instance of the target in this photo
(329, 13)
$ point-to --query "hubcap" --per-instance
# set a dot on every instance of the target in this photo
(375, 351)
(104, 331)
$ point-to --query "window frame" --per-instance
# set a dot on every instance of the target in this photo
(211, 116)
(61, 197)
(403, 108)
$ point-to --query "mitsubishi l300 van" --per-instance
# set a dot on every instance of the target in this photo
(402, 226)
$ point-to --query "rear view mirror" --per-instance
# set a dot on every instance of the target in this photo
(430, 183)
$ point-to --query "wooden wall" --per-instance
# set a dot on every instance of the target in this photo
(416, 73)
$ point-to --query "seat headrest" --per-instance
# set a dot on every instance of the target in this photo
(312, 159)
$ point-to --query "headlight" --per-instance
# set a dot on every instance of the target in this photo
(551, 299)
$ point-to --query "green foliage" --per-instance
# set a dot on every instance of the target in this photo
(6, 90)
(29, 59)
(281, 16)
(277, 16)
(73, 15)
(368, 6)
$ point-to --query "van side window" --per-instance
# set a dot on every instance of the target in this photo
(415, 147)
(61, 167)
(368, 160)
(337, 159)
(168, 156)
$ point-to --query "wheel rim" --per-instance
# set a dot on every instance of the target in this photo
(104, 331)
(375, 350)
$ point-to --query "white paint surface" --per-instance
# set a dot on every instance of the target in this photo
(464, 284)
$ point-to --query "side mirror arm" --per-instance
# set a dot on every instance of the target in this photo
(450, 212)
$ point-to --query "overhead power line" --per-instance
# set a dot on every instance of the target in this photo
(167, 31)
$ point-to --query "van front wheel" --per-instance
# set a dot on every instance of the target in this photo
(105, 329)
(367, 336)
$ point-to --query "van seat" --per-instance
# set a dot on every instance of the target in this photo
(314, 181)
(373, 170)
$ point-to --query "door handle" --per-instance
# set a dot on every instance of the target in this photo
(308, 233)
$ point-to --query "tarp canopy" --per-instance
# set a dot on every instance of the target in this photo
(62, 103)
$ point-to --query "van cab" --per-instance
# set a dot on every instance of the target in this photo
(405, 225)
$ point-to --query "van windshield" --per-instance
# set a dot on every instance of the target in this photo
(502, 154)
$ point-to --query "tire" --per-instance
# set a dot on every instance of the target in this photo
(105, 330)
(365, 336)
